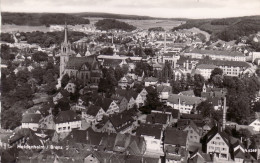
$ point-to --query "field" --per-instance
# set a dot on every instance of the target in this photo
(146, 24)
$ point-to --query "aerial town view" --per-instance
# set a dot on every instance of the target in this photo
(152, 81)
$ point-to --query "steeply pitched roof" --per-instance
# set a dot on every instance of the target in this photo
(180, 137)
(121, 121)
(157, 118)
(77, 62)
(149, 130)
(66, 116)
(31, 118)
(174, 99)
(93, 110)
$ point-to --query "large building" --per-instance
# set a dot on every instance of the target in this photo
(216, 55)
(85, 68)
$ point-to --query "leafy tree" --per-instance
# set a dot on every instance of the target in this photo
(38, 73)
(8, 84)
(65, 80)
(149, 52)
(22, 76)
(217, 81)
(40, 56)
(118, 73)
(107, 51)
(216, 71)
(7, 52)
(256, 107)
(23, 92)
(205, 108)
(152, 99)
(143, 67)
(198, 84)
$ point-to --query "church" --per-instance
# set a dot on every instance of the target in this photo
(86, 68)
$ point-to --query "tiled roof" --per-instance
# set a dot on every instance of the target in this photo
(66, 116)
(93, 110)
(121, 121)
(104, 103)
(151, 79)
(206, 66)
(217, 52)
(31, 118)
(149, 130)
(174, 99)
(180, 137)
(77, 62)
(163, 88)
(157, 118)
(225, 63)
(112, 62)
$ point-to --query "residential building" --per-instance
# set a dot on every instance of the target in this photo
(70, 87)
(184, 104)
(217, 55)
(93, 114)
(31, 121)
(153, 139)
(125, 82)
(65, 121)
(205, 70)
(150, 81)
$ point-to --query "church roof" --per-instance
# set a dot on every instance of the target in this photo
(77, 62)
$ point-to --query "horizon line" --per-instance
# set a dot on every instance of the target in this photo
(127, 15)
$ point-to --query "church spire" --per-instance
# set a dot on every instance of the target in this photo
(66, 33)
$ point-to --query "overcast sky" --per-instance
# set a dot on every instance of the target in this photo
(155, 8)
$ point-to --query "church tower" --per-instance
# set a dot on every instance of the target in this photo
(65, 51)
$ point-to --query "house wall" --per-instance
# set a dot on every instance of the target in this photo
(154, 146)
(218, 145)
(32, 126)
(256, 125)
(67, 127)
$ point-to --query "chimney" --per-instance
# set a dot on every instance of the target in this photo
(224, 114)
(164, 41)
(87, 138)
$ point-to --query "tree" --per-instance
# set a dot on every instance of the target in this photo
(149, 52)
(216, 71)
(23, 92)
(119, 73)
(37, 74)
(40, 56)
(256, 107)
(22, 76)
(198, 84)
(65, 80)
(152, 99)
(205, 108)
(107, 51)
(217, 81)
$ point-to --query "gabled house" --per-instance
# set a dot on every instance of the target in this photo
(159, 119)
(175, 145)
(108, 105)
(153, 138)
(173, 114)
(121, 101)
(150, 81)
(217, 142)
(125, 82)
(198, 157)
(120, 123)
(65, 121)
(70, 87)
(164, 91)
(184, 104)
(31, 121)
(61, 94)
(93, 114)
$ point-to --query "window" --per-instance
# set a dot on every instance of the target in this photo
(217, 138)
(59, 128)
(64, 128)
(68, 127)
(191, 137)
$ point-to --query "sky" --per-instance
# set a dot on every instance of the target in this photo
(155, 8)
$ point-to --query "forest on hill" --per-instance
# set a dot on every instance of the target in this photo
(226, 29)
(38, 19)
(109, 24)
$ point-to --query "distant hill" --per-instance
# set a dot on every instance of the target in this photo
(108, 24)
(225, 29)
(112, 16)
(38, 19)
